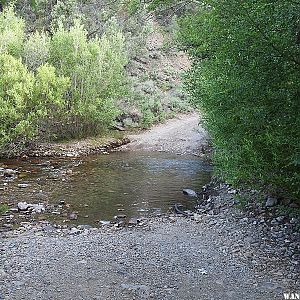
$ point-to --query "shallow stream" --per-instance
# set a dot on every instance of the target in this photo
(102, 186)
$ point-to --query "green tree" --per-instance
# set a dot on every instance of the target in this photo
(245, 79)
(11, 32)
(26, 100)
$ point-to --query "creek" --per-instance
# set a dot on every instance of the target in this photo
(100, 187)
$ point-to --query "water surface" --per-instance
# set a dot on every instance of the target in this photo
(102, 186)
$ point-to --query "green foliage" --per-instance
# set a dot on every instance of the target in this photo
(4, 208)
(48, 92)
(245, 78)
(36, 50)
(11, 32)
(63, 13)
(16, 86)
(25, 99)
(65, 85)
(133, 6)
(96, 69)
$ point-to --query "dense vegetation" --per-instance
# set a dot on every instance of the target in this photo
(65, 70)
(245, 79)
(60, 80)
(63, 80)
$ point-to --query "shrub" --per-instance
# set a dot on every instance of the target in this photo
(36, 50)
(11, 32)
(16, 86)
(96, 69)
(25, 100)
(48, 92)
(246, 80)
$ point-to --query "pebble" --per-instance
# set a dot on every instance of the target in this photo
(23, 185)
(73, 216)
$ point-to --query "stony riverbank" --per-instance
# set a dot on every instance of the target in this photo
(222, 255)
(217, 251)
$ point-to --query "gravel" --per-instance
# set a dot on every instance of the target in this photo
(181, 135)
(168, 258)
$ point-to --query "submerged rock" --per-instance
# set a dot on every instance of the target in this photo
(73, 216)
(190, 193)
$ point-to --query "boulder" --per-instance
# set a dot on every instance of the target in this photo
(190, 193)
(23, 206)
(9, 172)
(271, 201)
(37, 208)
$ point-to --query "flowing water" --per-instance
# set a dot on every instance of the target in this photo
(102, 186)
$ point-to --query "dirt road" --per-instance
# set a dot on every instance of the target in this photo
(181, 135)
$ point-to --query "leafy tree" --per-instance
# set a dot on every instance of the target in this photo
(245, 79)
(96, 69)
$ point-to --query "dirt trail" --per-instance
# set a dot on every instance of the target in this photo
(182, 135)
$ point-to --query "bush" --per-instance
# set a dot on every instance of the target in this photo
(11, 32)
(245, 78)
(96, 69)
(36, 50)
(25, 100)
(16, 86)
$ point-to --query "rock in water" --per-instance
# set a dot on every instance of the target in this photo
(73, 216)
(271, 202)
(133, 221)
(190, 193)
(38, 208)
(23, 185)
(104, 222)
